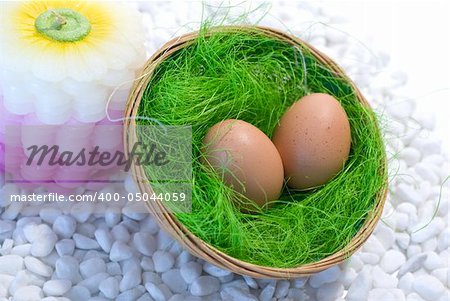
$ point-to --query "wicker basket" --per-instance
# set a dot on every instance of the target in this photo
(178, 231)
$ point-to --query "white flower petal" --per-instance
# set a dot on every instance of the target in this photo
(118, 78)
(17, 100)
(49, 67)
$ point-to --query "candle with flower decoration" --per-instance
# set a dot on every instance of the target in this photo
(66, 63)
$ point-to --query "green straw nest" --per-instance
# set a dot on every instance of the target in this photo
(248, 75)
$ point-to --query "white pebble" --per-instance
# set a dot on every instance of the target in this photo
(81, 211)
(427, 146)
(410, 155)
(5, 281)
(402, 221)
(204, 285)
(92, 266)
(369, 258)
(174, 281)
(380, 294)
(443, 242)
(327, 276)
(183, 258)
(405, 282)
(433, 261)
(392, 261)
(11, 264)
(120, 233)
(281, 289)
(383, 280)
(42, 239)
(401, 109)
(386, 236)
(56, 299)
(191, 271)
(12, 211)
(226, 279)
(355, 262)
(135, 211)
(49, 214)
(28, 293)
(441, 274)
(131, 294)
(435, 159)
(234, 293)
(214, 270)
(149, 225)
(65, 247)
(250, 282)
(130, 264)
(132, 225)
(373, 245)
(147, 264)
(298, 294)
(430, 245)
(120, 251)
(110, 287)
(151, 277)
(64, 226)
(6, 226)
(145, 243)
(155, 292)
(146, 297)
(402, 240)
(163, 261)
(267, 293)
(85, 243)
(21, 250)
(348, 277)
(38, 267)
(112, 216)
(408, 208)
(359, 289)
(407, 193)
(67, 268)
(86, 229)
(131, 278)
(425, 171)
(25, 278)
(104, 239)
(78, 293)
(113, 268)
(240, 283)
(428, 287)
(413, 250)
(414, 297)
(92, 283)
(330, 291)
(433, 229)
(413, 264)
(57, 287)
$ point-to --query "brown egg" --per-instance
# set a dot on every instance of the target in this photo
(246, 159)
(313, 139)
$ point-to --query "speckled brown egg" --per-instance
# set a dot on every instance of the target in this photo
(246, 159)
(313, 139)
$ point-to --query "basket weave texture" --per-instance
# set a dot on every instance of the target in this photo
(178, 231)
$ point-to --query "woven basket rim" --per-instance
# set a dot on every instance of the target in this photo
(178, 231)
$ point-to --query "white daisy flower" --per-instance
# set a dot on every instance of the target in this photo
(63, 59)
